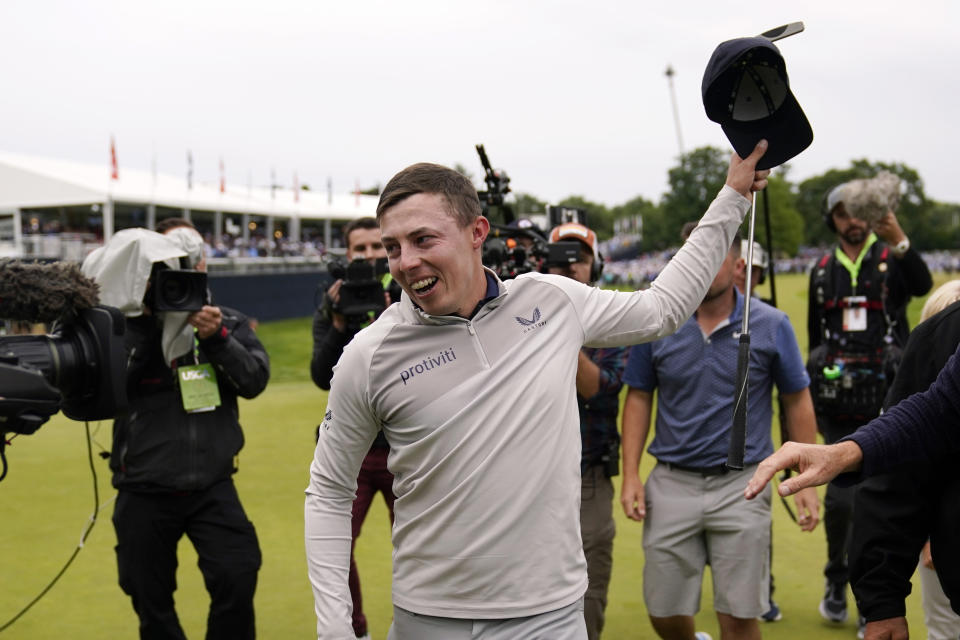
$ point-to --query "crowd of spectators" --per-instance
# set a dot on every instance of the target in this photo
(640, 271)
(259, 246)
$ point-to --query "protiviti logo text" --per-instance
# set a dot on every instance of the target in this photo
(428, 364)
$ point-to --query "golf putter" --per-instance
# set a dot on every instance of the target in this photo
(738, 435)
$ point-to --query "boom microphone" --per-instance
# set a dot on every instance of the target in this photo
(79, 368)
(37, 292)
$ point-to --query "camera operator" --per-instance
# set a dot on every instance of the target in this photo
(857, 325)
(599, 380)
(172, 460)
(332, 331)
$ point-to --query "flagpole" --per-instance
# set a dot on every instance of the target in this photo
(152, 205)
(186, 208)
(108, 205)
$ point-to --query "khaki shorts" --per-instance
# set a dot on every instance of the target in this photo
(693, 521)
(565, 623)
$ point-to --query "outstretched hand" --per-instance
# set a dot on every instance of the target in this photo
(816, 463)
(742, 174)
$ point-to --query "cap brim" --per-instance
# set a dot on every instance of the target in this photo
(787, 133)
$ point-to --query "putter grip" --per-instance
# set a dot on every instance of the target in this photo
(738, 435)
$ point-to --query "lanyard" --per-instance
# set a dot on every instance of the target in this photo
(854, 267)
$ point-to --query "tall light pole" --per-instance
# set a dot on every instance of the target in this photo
(676, 114)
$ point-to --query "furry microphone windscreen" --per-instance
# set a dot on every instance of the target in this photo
(38, 292)
(871, 198)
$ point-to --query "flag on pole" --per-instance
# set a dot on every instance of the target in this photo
(223, 179)
(296, 188)
(114, 169)
(189, 169)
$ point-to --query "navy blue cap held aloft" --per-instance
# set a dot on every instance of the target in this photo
(746, 90)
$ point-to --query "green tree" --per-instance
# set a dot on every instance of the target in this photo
(638, 206)
(912, 213)
(462, 170)
(693, 186)
(944, 222)
(786, 223)
(526, 205)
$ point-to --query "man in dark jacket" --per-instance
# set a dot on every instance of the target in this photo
(174, 454)
(896, 513)
(856, 324)
(332, 330)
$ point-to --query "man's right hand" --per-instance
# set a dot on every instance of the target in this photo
(816, 464)
(742, 174)
(633, 498)
(888, 629)
(338, 320)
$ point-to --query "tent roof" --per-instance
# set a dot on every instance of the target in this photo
(31, 181)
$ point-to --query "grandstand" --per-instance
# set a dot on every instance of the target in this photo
(58, 209)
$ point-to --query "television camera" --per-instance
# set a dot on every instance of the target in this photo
(515, 246)
(79, 367)
(362, 290)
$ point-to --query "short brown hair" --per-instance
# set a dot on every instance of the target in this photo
(172, 223)
(365, 222)
(424, 177)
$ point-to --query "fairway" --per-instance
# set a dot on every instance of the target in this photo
(47, 498)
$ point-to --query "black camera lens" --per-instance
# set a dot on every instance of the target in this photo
(175, 292)
(178, 290)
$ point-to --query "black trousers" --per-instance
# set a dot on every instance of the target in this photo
(837, 508)
(149, 526)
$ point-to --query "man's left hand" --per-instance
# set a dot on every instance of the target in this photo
(207, 321)
(808, 508)
(889, 229)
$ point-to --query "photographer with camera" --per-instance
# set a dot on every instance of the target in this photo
(599, 380)
(857, 326)
(332, 330)
(175, 450)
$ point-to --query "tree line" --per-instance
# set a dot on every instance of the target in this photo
(796, 217)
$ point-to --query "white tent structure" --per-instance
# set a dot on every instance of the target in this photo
(32, 188)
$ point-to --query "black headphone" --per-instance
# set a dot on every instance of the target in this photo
(596, 267)
(825, 210)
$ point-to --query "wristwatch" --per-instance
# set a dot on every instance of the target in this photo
(901, 248)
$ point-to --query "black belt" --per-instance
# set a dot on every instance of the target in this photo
(717, 470)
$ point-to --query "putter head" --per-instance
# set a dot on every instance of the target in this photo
(781, 32)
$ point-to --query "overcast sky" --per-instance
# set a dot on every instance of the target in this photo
(568, 97)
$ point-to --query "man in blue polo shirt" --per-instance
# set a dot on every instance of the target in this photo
(692, 505)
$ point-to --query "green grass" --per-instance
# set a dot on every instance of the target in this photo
(47, 497)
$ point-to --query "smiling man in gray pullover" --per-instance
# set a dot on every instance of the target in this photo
(472, 380)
